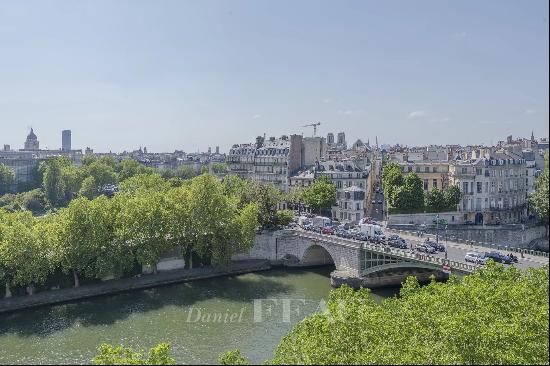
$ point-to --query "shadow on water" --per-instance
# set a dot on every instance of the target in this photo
(107, 310)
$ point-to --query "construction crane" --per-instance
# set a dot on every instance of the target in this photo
(314, 125)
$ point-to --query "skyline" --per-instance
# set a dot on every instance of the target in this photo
(189, 75)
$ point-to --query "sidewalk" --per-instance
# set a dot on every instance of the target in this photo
(130, 284)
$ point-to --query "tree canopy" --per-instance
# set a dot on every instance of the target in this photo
(119, 355)
(7, 177)
(539, 198)
(321, 194)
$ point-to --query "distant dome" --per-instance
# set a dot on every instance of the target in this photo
(31, 136)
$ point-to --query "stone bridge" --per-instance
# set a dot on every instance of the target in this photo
(357, 263)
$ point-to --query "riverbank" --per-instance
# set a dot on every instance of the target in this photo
(130, 284)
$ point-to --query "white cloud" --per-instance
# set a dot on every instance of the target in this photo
(417, 114)
(530, 111)
(256, 116)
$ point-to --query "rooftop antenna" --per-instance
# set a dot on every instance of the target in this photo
(314, 125)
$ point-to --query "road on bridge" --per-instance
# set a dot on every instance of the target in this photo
(457, 251)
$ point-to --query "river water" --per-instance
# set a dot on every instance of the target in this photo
(200, 319)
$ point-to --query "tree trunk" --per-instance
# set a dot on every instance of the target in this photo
(76, 280)
(155, 271)
(191, 259)
(8, 291)
(30, 290)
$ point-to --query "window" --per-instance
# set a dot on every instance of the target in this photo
(465, 187)
(479, 187)
(464, 170)
(425, 184)
(410, 169)
(434, 183)
(479, 171)
(434, 169)
(418, 169)
(427, 169)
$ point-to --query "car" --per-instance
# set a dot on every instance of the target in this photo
(436, 246)
(498, 257)
(373, 202)
(425, 249)
(379, 202)
(327, 230)
(469, 222)
(474, 257)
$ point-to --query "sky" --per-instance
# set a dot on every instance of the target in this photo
(189, 75)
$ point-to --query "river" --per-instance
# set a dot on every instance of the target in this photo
(200, 319)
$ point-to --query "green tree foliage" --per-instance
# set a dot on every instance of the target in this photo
(142, 225)
(392, 178)
(284, 217)
(539, 198)
(219, 168)
(410, 196)
(34, 201)
(158, 355)
(321, 194)
(98, 174)
(495, 316)
(53, 183)
(7, 177)
(453, 195)
(265, 195)
(129, 168)
(26, 254)
(234, 357)
(144, 182)
(435, 200)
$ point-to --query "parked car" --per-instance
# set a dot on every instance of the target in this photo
(469, 222)
(498, 257)
(373, 202)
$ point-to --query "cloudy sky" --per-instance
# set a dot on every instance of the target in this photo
(193, 74)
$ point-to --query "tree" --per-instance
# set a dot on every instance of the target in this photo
(539, 198)
(234, 357)
(321, 194)
(142, 225)
(284, 217)
(144, 182)
(99, 174)
(392, 179)
(158, 355)
(435, 200)
(453, 195)
(7, 177)
(25, 255)
(495, 316)
(185, 172)
(130, 167)
(53, 183)
(88, 244)
(218, 168)
(410, 196)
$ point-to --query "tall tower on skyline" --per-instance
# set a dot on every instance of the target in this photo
(66, 140)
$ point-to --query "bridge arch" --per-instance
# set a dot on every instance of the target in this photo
(400, 266)
(317, 255)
